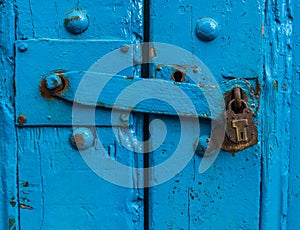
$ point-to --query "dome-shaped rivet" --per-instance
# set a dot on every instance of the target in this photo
(76, 21)
(23, 47)
(207, 29)
(82, 138)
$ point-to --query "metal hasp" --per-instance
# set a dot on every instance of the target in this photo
(241, 131)
(64, 85)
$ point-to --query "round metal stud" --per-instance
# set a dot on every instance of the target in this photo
(76, 21)
(207, 29)
(82, 138)
(23, 47)
(202, 145)
(53, 82)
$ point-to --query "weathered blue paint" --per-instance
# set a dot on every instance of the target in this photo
(107, 98)
(9, 200)
(44, 182)
(275, 118)
(227, 196)
(58, 54)
(55, 188)
(77, 21)
(202, 145)
(207, 29)
(292, 169)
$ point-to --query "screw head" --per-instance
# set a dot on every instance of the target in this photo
(23, 47)
(53, 82)
(22, 119)
(124, 117)
(207, 29)
(76, 21)
(82, 138)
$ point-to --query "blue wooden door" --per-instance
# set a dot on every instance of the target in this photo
(228, 37)
(45, 183)
(148, 176)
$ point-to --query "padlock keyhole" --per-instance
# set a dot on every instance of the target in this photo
(242, 135)
(178, 76)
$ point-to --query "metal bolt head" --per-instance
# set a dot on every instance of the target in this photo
(23, 47)
(76, 21)
(207, 29)
(124, 117)
(53, 82)
(22, 119)
(82, 138)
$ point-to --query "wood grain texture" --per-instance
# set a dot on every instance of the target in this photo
(108, 19)
(58, 190)
(8, 143)
(276, 113)
(293, 214)
(227, 196)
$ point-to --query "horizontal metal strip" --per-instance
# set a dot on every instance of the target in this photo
(133, 94)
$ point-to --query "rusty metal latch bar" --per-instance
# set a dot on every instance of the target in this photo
(64, 85)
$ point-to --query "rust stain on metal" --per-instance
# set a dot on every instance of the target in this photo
(78, 140)
(11, 223)
(25, 184)
(50, 94)
(22, 119)
(195, 69)
(125, 49)
(23, 206)
(129, 77)
(152, 52)
(239, 137)
(263, 30)
(13, 203)
(257, 94)
(175, 66)
(74, 18)
(275, 83)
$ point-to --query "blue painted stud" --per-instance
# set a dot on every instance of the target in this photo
(23, 47)
(202, 145)
(207, 29)
(82, 138)
(53, 82)
(76, 21)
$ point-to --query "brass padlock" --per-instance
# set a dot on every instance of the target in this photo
(241, 131)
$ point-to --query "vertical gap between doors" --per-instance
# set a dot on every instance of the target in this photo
(145, 74)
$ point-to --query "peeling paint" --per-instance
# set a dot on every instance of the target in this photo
(23, 206)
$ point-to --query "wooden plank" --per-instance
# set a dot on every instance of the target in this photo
(8, 145)
(218, 198)
(293, 201)
(275, 121)
(107, 19)
(58, 190)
